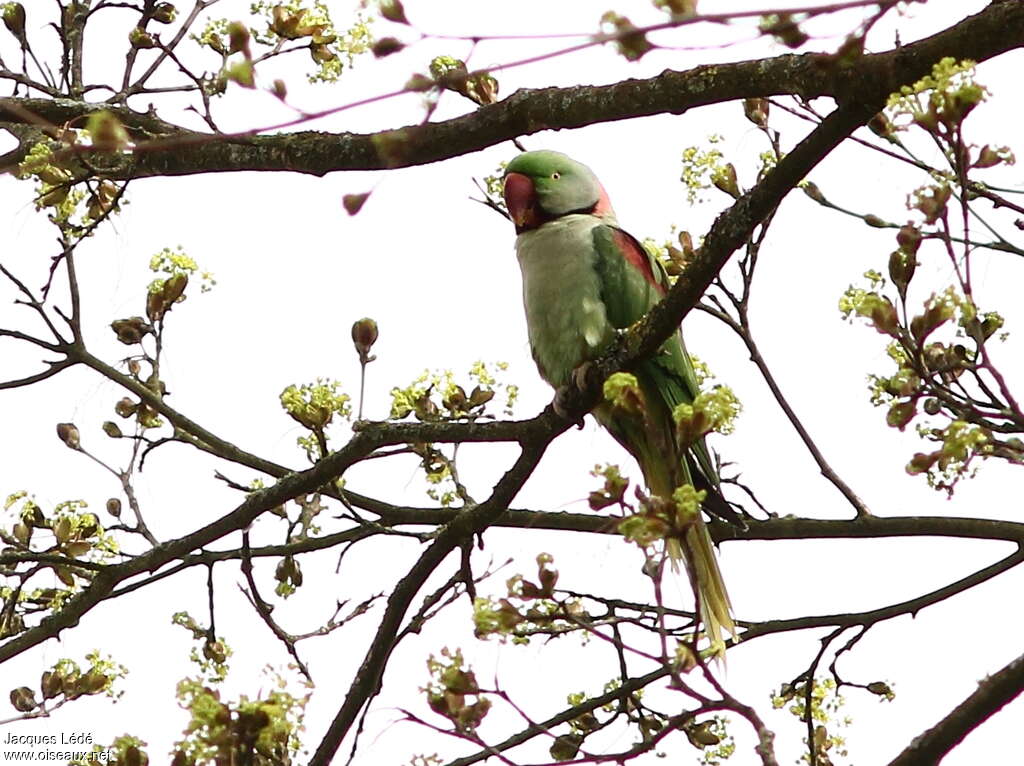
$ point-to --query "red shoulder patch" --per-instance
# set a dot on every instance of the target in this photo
(635, 254)
(603, 206)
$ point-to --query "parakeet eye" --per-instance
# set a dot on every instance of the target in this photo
(555, 176)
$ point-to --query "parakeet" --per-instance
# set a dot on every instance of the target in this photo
(584, 278)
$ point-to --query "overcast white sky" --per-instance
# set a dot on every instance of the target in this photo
(438, 273)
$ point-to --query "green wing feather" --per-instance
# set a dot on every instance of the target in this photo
(628, 294)
(632, 282)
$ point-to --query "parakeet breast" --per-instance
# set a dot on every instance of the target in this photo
(565, 313)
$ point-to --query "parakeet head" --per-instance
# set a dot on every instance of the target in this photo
(543, 185)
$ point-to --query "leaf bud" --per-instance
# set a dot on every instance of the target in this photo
(811, 190)
(215, 652)
(22, 532)
(392, 10)
(566, 746)
(14, 20)
(385, 46)
(93, 682)
(164, 13)
(238, 39)
(51, 684)
(909, 238)
(881, 688)
(364, 335)
(756, 110)
(140, 38)
(701, 736)
(131, 330)
(901, 270)
(68, 433)
(23, 699)
(126, 407)
(62, 530)
(881, 126)
(353, 203)
(321, 53)
(114, 507)
(725, 180)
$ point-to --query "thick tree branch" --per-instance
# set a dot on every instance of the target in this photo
(545, 428)
(995, 30)
(463, 527)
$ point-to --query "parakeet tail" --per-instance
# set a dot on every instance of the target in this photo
(697, 551)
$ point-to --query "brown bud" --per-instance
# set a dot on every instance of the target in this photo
(566, 746)
(114, 507)
(279, 89)
(155, 306)
(900, 414)
(987, 157)
(811, 190)
(353, 203)
(14, 20)
(93, 682)
(62, 530)
(112, 429)
(238, 39)
(157, 386)
(174, 288)
(321, 53)
(217, 43)
(126, 407)
(22, 532)
(131, 330)
(77, 549)
(54, 196)
(881, 126)
(701, 736)
(164, 13)
(68, 433)
(756, 110)
(51, 684)
(214, 651)
(140, 38)
(901, 270)
(385, 46)
(392, 10)
(364, 335)
(24, 699)
(726, 181)
(479, 396)
(909, 238)
(881, 688)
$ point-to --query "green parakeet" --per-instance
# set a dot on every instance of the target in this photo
(584, 278)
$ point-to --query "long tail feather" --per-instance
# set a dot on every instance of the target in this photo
(654, 448)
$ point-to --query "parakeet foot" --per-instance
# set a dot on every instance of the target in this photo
(568, 394)
(562, 404)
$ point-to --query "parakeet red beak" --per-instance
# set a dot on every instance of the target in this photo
(521, 200)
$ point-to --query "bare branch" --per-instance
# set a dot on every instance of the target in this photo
(991, 695)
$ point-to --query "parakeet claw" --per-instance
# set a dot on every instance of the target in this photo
(562, 404)
(564, 396)
(582, 374)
